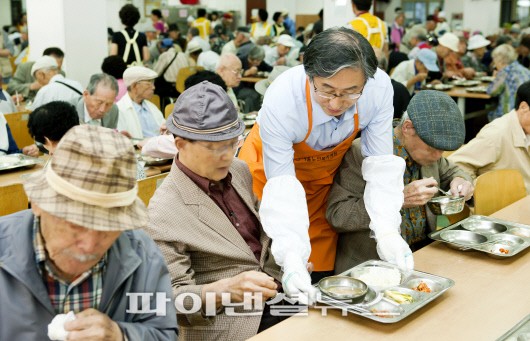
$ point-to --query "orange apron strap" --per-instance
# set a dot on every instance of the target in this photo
(309, 108)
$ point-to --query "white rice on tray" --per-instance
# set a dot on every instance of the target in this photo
(380, 277)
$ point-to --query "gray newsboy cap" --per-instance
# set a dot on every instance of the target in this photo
(204, 112)
(437, 119)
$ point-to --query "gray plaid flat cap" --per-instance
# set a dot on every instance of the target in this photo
(204, 112)
(437, 120)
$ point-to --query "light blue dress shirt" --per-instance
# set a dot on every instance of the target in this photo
(283, 120)
(149, 126)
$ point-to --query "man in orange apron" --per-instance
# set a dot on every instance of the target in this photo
(309, 118)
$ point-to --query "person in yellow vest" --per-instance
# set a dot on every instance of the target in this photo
(261, 27)
(370, 26)
(203, 25)
(310, 115)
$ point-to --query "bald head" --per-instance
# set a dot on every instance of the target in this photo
(229, 68)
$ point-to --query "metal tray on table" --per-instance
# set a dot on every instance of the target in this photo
(376, 305)
(519, 332)
(14, 161)
(497, 238)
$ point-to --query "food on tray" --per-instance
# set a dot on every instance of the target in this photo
(383, 313)
(422, 287)
(442, 86)
(345, 291)
(398, 297)
(502, 250)
(380, 277)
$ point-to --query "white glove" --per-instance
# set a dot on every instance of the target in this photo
(383, 199)
(392, 248)
(296, 280)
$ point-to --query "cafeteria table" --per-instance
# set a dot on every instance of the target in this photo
(490, 296)
(252, 79)
(146, 187)
(461, 94)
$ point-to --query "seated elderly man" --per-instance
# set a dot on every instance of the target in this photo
(55, 87)
(139, 118)
(204, 220)
(477, 48)
(23, 82)
(447, 50)
(431, 125)
(241, 42)
(279, 55)
(229, 68)
(502, 144)
(68, 253)
(413, 73)
(168, 66)
(254, 62)
(96, 106)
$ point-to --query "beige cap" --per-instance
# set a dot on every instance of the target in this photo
(449, 40)
(134, 74)
(44, 62)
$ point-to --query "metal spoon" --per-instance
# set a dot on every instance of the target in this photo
(446, 193)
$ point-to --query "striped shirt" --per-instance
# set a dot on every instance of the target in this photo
(84, 292)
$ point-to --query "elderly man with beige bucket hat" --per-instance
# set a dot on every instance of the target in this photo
(79, 250)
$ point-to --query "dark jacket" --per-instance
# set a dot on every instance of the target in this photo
(348, 216)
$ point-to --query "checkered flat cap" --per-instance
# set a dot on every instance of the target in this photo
(437, 119)
(91, 181)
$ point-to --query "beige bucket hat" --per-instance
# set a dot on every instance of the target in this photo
(91, 181)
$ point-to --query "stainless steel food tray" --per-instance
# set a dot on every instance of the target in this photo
(14, 161)
(382, 309)
(497, 238)
(519, 332)
(154, 161)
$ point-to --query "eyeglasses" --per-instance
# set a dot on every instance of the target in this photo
(329, 96)
(237, 72)
(223, 150)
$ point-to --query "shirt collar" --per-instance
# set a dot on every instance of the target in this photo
(56, 77)
(87, 115)
(399, 150)
(137, 106)
(204, 184)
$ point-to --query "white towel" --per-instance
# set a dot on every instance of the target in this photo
(56, 327)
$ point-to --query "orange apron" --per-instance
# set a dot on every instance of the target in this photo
(315, 169)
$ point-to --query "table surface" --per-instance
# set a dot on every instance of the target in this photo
(16, 176)
(490, 296)
(251, 79)
(460, 91)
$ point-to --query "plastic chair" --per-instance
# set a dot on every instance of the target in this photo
(183, 74)
(168, 109)
(148, 186)
(156, 101)
(497, 189)
(12, 199)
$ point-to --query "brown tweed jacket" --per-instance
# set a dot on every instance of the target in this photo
(200, 246)
(346, 212)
